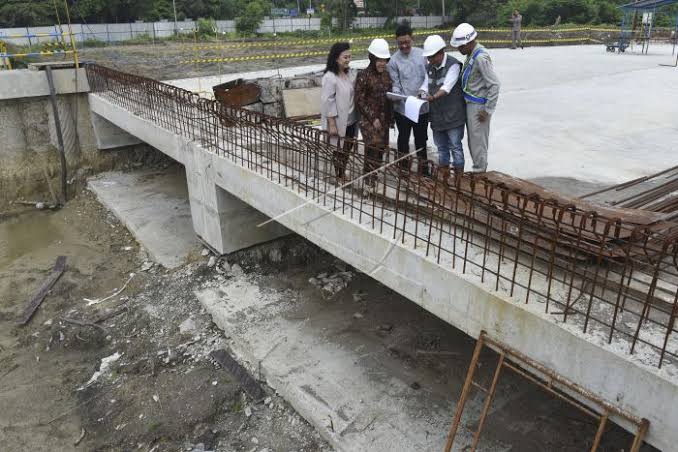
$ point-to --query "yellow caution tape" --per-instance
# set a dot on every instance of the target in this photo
(53, 44)
(253, 57)
(283, 43)
(536, 41)
(37, 35)
(41, 53)
(291, 42)
(269, 56)
(265, 56)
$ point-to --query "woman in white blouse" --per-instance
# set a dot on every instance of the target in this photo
(337, 111)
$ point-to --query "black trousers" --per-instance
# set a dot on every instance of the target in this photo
(405, 129)
(342, 153)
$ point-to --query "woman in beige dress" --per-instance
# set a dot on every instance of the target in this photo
(337, 111)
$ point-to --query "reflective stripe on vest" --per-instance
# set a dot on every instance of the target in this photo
(469, 96)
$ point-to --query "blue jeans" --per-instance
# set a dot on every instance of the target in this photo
(449, 142)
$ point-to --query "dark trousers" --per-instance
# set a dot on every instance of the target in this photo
(342, 153)
(420, 130)
(374, 157)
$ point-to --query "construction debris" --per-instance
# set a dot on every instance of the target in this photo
(250, 385)
(93, 301)
(80, 438)
(655, 193)
(40, 295)
(237, 93)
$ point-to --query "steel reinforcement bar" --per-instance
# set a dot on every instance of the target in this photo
(612, 277)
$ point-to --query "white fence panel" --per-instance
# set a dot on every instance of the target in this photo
(165, 28)
(16, 36)
(94, 32)
(226, 26)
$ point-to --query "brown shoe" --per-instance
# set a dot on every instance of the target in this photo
(444, 174)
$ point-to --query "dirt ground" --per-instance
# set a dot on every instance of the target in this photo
(135, 373)
(165, 60)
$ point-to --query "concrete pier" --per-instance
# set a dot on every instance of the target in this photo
(225, 223)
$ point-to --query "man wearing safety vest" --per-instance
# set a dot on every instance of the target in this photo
(480, 87)
(442, 89)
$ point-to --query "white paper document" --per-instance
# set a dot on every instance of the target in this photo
(413, 107)
(395, 97)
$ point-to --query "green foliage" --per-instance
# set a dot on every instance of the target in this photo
(19, 13)
(253, 14)
(206, 27)
(326, 21)
(608, 13)
(249, 13)
(577, 11)
(545, 12)
(344, 11)
(481, 13)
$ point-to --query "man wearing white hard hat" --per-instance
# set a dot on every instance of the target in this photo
(446, 106)
(480, 86)
(376, 111)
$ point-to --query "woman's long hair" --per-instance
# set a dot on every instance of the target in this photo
(336, 50)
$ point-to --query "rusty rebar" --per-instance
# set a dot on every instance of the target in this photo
(546, 250)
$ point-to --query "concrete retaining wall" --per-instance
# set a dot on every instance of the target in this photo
(29, 159)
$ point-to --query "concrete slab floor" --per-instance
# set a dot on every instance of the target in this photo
(373, 371)
(567, 112)
(153, 205)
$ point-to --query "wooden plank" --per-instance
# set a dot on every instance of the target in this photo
(40, 295)
(250, 385)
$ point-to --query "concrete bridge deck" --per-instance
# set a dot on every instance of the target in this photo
(242, 168)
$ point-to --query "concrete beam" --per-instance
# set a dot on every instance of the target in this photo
(24, 83)
(459, 299)
(110, 136)
(146, 131)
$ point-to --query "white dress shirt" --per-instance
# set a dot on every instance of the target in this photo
(450, 78)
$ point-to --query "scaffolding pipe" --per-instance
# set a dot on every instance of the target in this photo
(60, 137)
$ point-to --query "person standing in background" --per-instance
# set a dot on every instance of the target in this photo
(517, 21)
(337, 110)
(407, 71)
(374, 108)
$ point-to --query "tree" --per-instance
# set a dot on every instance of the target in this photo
(577, 11)
(19, 13)
(344, 11)
(480, 13)
(254, 13)
(608, 13)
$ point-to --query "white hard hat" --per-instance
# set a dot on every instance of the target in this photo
(463, 34)
(433, 44)
(379, 48)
